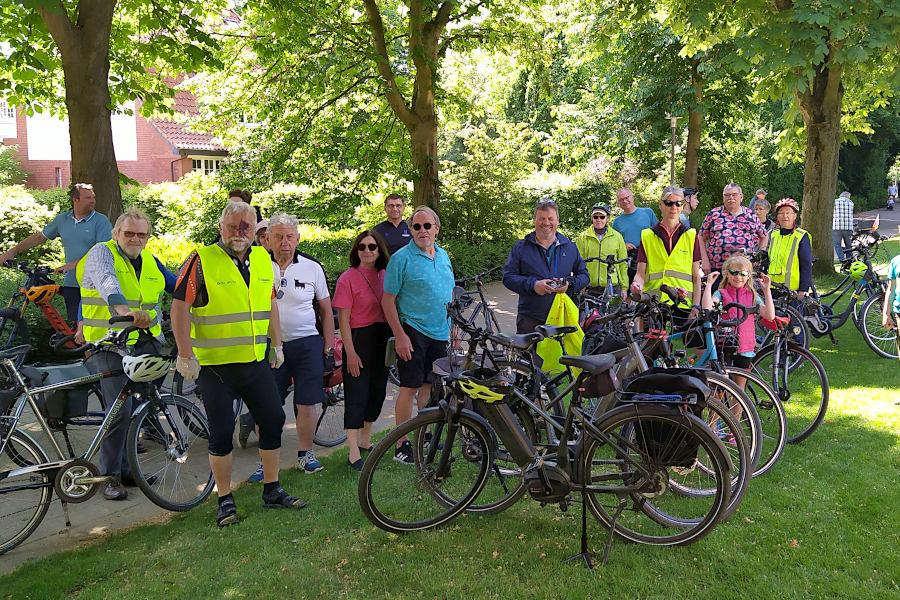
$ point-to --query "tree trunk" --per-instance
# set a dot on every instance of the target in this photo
(426, 187)
(695, 125)
(84, 49)
(821, 110)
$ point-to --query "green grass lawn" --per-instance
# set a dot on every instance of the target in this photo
(823, 523)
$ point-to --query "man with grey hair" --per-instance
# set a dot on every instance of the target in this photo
(728, 229)
(120, 278)
(222, 331)
(418, 285)
(842, 225)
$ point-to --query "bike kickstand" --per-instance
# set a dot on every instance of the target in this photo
(585, 554)
(612, 530)
(65, 508)
(834, 341)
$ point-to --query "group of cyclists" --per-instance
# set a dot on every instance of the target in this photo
(251, 315)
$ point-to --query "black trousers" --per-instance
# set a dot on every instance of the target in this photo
(364, 395)
(254, 384)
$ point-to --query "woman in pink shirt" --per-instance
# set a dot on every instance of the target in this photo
(365, 334)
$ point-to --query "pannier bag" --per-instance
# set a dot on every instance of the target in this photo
(664, 443)
(59, 405)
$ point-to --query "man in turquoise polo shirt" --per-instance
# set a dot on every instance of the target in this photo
(418, 285)
(79, 229)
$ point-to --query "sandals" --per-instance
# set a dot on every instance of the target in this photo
(227, 513)
(281, 499)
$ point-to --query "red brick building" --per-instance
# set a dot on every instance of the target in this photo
(147, 150)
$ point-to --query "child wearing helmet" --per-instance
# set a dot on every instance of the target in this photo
(790, 249)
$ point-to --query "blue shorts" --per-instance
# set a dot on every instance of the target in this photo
(304, 363)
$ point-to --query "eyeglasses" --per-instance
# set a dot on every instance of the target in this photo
(598, 216)
(369, 247)
(280, 293)
(136, 234)
(673, 202)
(739, 273)
(425, 226)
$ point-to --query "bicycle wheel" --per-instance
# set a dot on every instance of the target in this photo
(399, 497)
(772, 418)
(883, 341)
(798, 325)
(13, 331)
(24, 499)
(800, 382)
(738, 402)
(724, 424)
(173, 471)
(330, 427)
(626, 475)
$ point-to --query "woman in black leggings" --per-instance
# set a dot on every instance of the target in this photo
(365, 333)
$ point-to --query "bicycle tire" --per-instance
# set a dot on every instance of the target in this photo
(382, 508)
(772, 418)
(330, 430)
(612, 462)
(736, 445)
(169, 426)
(806, 404)
(765, 336)
(729, 393)
(21, 450)
(13, 331)
(882, 341)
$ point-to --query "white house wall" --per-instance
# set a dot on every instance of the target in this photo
(48, 137)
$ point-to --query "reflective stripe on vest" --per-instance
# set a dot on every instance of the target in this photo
(784, 259)
(675, 270)
(143, 294)
(233, 327)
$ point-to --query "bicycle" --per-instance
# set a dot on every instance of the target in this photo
(172, 470)
(798, 379)
(591, 305)
(38, 289)
(630, 454)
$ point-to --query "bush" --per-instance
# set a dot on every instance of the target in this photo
(11, 171)
(23, 216)
(574, 196)
(188, 209)
(470, 259)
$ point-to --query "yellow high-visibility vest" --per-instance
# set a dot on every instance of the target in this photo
(784, 258)
(675, 270)
(140, 294)
(233, 327)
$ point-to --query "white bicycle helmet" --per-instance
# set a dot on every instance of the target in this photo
(146, 367)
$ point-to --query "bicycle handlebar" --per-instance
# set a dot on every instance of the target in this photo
(744, 310)
(609, 260)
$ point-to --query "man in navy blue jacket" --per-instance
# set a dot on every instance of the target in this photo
(540, 265)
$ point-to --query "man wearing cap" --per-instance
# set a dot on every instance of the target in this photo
(262, 234)
(600, 241)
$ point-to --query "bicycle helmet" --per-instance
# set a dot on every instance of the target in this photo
(41, 293)
(145, 367)
(858, 270)
(483, 384)
(787, 202)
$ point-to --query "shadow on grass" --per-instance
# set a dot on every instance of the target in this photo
(816, 525)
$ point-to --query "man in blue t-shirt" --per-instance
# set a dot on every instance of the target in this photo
(79, 229)
(630, 224)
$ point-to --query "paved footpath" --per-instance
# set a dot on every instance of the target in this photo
(98, 516)
(889, 223)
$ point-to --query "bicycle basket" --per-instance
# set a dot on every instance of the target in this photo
(59, 405)
(663, 442)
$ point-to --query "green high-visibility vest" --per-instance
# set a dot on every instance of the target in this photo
(675, 270)
(143, 294)
(784, 258)
(233, 327)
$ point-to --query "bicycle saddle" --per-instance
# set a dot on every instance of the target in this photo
(593, 364)
(522, 341)
(551, 331)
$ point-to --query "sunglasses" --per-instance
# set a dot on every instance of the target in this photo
(598, 216)
(369, 247)
(739, 273)
(673, 202)
(546, 202)
(136, 234)
(425, 226)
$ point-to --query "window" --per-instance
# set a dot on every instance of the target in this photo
(209, 166)
(7, 112)
(59, 181)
